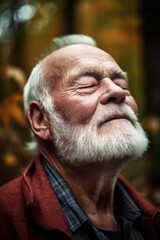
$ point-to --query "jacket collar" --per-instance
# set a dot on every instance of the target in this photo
(41, 200)
(150, 214)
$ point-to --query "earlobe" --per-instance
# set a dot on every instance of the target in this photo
(37, 120)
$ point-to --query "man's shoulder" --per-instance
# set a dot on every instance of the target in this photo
(12, 203)
(11, 192)
(10, 188)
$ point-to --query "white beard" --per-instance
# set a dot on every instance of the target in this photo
(121, 139)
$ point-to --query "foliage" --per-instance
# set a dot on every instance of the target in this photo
(12, 123)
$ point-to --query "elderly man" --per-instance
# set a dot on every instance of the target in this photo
(83, 118)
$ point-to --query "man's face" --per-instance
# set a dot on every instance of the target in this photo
(91, 79)
(95, 117)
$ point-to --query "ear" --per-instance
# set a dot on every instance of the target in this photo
(37, 120)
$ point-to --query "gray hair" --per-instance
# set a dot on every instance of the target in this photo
(36, 88)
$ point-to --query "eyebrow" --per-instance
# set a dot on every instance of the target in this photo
(94, 70)
(86, 70)
(119, 73)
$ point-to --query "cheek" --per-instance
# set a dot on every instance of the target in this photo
(77, 110)
(132, 103)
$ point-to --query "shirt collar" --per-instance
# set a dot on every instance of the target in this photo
(126, 206)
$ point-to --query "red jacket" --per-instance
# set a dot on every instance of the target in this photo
(29, 209)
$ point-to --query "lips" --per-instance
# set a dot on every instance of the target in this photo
(114, 117)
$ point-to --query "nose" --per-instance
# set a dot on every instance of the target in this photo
(112, 92)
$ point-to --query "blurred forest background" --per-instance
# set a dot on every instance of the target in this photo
(128, 29)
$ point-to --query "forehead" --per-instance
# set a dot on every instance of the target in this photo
(81, 51)
(78, 52)
(79, 57)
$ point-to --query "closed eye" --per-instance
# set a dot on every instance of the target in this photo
(88, 86)
(125, 88)
(87, 89)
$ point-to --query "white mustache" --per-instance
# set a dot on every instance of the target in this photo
(113, 111)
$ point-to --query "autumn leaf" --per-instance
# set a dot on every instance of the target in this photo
(10, 109)
(17, 114)
(10, 159)
(16, 98)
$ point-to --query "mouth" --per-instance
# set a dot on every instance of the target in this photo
(114, 117)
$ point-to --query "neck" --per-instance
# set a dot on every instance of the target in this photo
(92, 185)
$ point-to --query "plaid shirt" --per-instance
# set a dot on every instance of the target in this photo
(128, 215)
